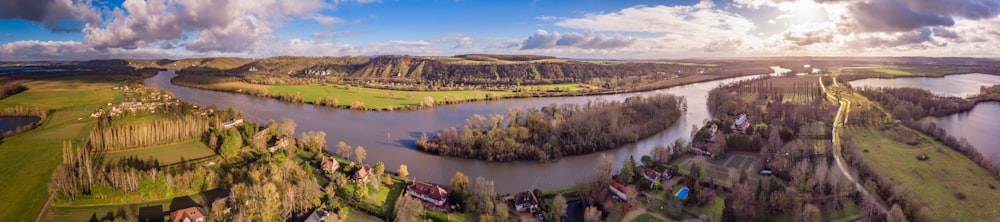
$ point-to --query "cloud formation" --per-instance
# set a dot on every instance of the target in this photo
(542, 39)
(224, 26)
(55, 15)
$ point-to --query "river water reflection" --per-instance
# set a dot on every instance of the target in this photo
(390, 137)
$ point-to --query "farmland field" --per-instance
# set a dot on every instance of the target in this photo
(165, 154)
(377, 98)
(28, 159)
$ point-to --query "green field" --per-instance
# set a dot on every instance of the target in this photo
(570, 87)
(893, 71)
(143, 210)
(27, 160)
(646, 218)
(936, 180)
(377, 98)
(165, 154)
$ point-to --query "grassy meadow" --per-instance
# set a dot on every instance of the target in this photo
(935, 181)
(165, 154)
(377, 98)
(27, 160)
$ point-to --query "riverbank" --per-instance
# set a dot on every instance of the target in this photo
(377, 99)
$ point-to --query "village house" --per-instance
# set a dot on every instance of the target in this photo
(361, 176)
(329, 165)
(429, 193)
(526, 202)
(712, 131)
(741, 124)
(651, 175)
(282, 142)
(190, 214)
(618, 189)
(318, 215)
(232, 123)
(701, 149)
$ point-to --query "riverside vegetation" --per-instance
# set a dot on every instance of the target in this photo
(553, 131)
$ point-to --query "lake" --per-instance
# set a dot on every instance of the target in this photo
(964, 85)
(8, 123)
(980, 126)
(390, 137)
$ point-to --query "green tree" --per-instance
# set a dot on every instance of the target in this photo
(360, 154)
(379, 169)
(627, 173)
(459, 189)
(231, 146)
(360, 193)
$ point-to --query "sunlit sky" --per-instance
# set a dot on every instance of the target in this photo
(98, 29)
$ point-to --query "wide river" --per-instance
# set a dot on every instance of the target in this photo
(390, 137)
(980, 126)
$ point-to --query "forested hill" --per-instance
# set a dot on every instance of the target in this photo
(474, 69)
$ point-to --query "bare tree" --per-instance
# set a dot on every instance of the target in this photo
(343, 149)
(287, 127)
(592, 214)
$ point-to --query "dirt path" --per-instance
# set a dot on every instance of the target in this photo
(45, 207)
(837, 123)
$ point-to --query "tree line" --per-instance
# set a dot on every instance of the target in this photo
(112, 138)
(555, 131)
(11, 89)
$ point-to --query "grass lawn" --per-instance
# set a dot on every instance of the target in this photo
(376, 199)
(850, 212)
(28, 160)
(893, 71)
(646, 218)
(571, 87)
(361, 216)
(445, 217)
(166, 154)
(715, 208)
(153, 209)
(377, 98)
(936, 180)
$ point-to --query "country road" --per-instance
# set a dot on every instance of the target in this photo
(837, 123)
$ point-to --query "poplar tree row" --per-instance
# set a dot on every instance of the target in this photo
(113, 138)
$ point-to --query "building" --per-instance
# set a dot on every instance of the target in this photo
(741, 124)
(232, 123)
(280, 143)
(329, 164)
(318, 215)
(429, 193)
(190, 214)
(618, 189)
(526, 202)
(362, 175)
(650, 174)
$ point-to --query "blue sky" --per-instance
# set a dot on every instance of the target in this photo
(96, 29)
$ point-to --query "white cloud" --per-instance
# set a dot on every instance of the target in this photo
(224, 26)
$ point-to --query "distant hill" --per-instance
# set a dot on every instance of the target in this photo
(475, 69)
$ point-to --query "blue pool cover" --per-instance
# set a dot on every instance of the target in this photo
(683, 193)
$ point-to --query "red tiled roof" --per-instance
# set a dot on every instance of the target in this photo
(428, 190)
(617, 186)
(192, 213)
(650, 173)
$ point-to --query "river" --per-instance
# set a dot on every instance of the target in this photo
(980, 126)
(390, 137)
